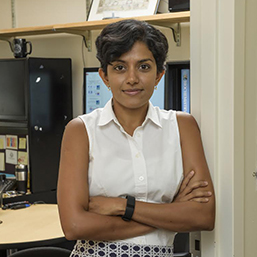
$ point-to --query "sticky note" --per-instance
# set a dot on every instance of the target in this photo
(22, 143)
(23, 158)
(2, 162)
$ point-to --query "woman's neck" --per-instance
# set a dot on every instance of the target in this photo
(130, 119)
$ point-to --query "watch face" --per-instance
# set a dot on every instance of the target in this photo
(17, 49)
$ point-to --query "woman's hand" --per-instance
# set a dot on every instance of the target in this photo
(115, 206)
(111, 206)
(194, 191)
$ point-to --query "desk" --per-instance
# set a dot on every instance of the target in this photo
(33, 226)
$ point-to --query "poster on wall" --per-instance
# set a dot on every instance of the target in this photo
(108, 9)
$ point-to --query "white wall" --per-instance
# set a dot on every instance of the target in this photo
(223, 60)
(39, 13)
(250, 131)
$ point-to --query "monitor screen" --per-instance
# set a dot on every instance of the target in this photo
(13, 90)
(96, 94)
(179, 5)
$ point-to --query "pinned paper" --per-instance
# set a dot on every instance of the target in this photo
(23, 158)
(22, 143)
(11, 157)
(2, 162)
(2, 142)
(11, 142)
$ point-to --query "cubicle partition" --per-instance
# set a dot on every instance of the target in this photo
(36, 104)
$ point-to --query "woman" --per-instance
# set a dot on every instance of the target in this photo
(132, 175)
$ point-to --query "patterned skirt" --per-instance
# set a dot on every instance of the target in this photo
(90, 248)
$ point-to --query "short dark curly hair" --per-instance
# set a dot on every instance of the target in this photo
(119, 37)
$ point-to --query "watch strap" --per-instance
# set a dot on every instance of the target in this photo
(129, 208)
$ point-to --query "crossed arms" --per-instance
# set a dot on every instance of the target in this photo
(98, 218)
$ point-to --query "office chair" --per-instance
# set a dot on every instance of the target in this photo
(182, 254)
(42, 252)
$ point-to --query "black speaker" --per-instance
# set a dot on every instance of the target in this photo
(179, 5)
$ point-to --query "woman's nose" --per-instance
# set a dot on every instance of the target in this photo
(132, 77)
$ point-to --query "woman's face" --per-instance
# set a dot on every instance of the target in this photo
(132, 77)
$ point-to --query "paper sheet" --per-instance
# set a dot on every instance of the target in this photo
(11, 142)
(2, 142)
(11, 156)
(23, 158)
(22, 143)
(2, 162)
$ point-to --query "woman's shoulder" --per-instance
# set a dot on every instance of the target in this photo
(188, 127)
(75, 125)
(75, 134)
(186, 119)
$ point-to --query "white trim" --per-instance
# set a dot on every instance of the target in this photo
(239, 124)
(204, 90)
(217, 66)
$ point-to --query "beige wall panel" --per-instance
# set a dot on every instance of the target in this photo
(47, 12)
(5, 14)
(250, 130)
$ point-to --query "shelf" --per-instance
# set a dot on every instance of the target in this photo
(166, 20)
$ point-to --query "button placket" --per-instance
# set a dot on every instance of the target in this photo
(139, 167)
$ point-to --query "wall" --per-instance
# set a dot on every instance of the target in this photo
(223, 58)
(250, 131)
(38, 13)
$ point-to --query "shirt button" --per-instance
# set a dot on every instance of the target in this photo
(141, 178)
(137, 155)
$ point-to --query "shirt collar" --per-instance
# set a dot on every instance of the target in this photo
(108, 115)
(152, 115)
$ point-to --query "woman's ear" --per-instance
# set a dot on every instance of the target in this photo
(104, 77)
(159, 77)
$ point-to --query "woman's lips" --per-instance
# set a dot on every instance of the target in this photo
(132, 91)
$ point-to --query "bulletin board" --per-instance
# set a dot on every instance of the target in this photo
(13, 151)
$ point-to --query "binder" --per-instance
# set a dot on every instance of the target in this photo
(185, 90)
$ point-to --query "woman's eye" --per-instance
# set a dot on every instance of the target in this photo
(119, 67)
(144, 67)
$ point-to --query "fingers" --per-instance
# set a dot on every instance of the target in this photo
(200, 200)
(200, 193)
(194, 186)
(199, 196)
(186, 180)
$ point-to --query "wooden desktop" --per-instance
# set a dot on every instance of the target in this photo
(33, 226)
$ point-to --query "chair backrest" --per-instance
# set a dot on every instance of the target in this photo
(42, 252)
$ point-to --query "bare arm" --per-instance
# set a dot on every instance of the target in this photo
(193, 209)
(73, 194)
(190, 215)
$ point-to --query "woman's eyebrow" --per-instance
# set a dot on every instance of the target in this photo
(145, 60)
(140, 61)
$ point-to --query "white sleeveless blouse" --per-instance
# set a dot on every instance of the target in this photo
(147, 165)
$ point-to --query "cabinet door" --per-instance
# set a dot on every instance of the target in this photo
(49, 111)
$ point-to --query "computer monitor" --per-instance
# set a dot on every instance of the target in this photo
(179, 5)
(13, 91)
(96, 94)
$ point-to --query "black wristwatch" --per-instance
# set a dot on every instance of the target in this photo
(130, 208)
